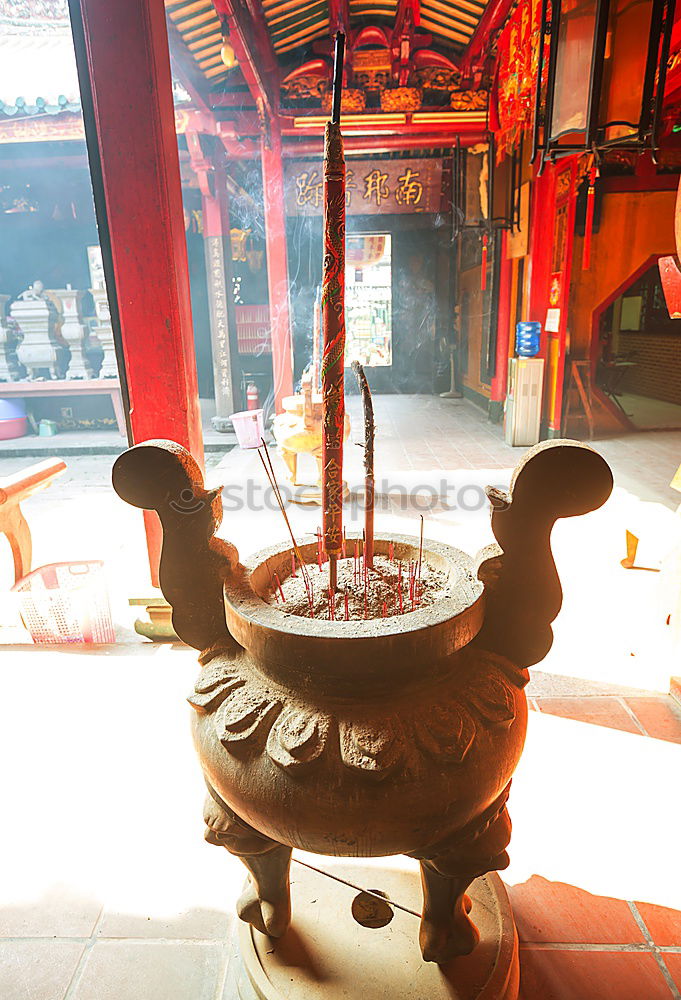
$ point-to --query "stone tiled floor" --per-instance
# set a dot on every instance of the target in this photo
(110, 892)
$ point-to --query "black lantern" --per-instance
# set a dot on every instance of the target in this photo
(604, 81)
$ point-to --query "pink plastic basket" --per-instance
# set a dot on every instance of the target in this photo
(66, 602)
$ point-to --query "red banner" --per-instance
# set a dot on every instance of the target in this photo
(517, 65)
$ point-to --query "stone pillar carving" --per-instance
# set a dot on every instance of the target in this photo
(210, 172)
(101, 337)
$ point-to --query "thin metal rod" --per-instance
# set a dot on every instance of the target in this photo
(359, 888)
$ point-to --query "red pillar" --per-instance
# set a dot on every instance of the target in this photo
(277, 264)
(124, 71)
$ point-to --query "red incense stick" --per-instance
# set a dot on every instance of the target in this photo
(347, 607)
(281, 589)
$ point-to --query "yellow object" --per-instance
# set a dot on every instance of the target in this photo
(676, 481)
(227, 55)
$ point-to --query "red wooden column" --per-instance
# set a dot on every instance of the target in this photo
(124, 72)
(277, 264)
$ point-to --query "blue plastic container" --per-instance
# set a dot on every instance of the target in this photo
(527, 339)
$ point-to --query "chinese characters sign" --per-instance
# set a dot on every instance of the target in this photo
(372, 187)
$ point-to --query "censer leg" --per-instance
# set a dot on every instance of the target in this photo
(446, 929)
(266, 901)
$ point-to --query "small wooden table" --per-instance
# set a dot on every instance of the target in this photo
(70, 387)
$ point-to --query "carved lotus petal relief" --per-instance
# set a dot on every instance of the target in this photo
(243, 714)
(298, 737)
(447, 731)
(493, 699)
(374, 750)
(215, 682)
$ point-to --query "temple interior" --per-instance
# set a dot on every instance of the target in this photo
(336, 289)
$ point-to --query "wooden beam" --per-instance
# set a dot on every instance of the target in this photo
(339, 17)
(493, 19)
(253, 49)
(186, 70)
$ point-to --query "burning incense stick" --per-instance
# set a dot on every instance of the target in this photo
(269, 472)
(420, 549)
(369, 488)
(333, 324)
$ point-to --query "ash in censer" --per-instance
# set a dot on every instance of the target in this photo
(391, 587)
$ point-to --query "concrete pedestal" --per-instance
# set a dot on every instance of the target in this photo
(327, 954)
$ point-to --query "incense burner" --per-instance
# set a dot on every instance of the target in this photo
(396, 735)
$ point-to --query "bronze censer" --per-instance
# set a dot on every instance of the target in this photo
(396, 735)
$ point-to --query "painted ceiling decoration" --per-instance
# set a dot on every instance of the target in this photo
(392, 68)
(303, 28)
(200, 29)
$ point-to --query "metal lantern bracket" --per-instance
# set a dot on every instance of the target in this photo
(593, 137)
(511, 218)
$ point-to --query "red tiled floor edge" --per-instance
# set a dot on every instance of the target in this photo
(598, 710)
(660, 716)
(577, 974)
(549, 912)
(662, 923)
(675, 689)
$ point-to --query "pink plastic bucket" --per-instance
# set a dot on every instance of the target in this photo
(249, 428)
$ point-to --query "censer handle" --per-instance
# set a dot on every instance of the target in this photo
(163, 476)
(523, 594)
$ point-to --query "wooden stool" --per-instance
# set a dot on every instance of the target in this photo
(580, 379)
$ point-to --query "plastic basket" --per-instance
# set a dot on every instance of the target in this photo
(66, 602)
(249, 428)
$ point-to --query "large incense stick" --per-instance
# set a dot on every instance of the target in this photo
(368, 462)
(316, 333)
(333, 324)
